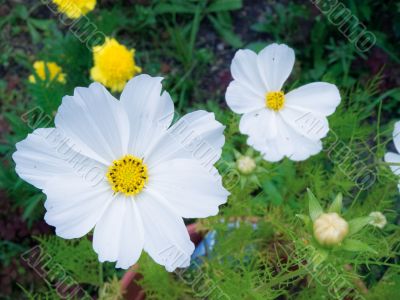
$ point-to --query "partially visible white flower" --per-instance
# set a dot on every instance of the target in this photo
(330, 229)
(379, 219)
(279, 124)
(120, 168)
(391, 157)
(246, 164)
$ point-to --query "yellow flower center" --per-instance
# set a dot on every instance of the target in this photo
(127, 175)
(275, 100)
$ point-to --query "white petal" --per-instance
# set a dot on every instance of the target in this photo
(275, 63)
(241, 99)
(271, 152)
(320, 98)
(96, 122)
(293, 145)
(268, 149)
(260, 124)
(396, 136)
(119, 235)
(167, 240)
(393, 158)
(308, 124)
(288, 142)
(47, 153)
(244, 69)
(190, 189)
(150, 112)
(301, 147)
(74, 205)
(196, 135)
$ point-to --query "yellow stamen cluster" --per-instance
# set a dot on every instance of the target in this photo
(275, 100)
(74, 9)
(47, 71)
(114, 65)
(127, 175)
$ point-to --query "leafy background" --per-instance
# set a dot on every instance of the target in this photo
(191, 43)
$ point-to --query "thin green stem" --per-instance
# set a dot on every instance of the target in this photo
(378, 123)
(284, 278)
(356, 198)
(101, 279)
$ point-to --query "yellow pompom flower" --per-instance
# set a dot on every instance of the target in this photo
(114, 65)
(74, 9)
(54, 72)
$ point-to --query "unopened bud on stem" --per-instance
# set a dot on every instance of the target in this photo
(330, 229)
(246, 164)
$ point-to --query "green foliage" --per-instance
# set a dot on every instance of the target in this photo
(46, 295)
(388, 287)
(111, 290)
(336, 205)
(263, 250)
(282, 22)
(158, 283)
(314, 208)
(76, 257)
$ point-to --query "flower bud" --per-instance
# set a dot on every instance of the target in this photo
(246, 164)
(330, 229)
(379, 219)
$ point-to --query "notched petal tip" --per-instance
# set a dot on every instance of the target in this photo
(279, 47)
(275, 63)
(173, 258)
(142, 77)
(242, 52)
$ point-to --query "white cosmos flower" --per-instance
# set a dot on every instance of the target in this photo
(394, 158)
(118, 167)
(279, 124)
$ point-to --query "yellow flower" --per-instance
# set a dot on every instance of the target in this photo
(54, 71)
(114, 65)
(74, 9)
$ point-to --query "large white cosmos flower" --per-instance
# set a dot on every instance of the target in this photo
(118, 167)
(394, 158)
(279, 124)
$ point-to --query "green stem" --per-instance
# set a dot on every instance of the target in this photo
(356, 198)
(282, 279)
(378, 122)
(101, 279)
